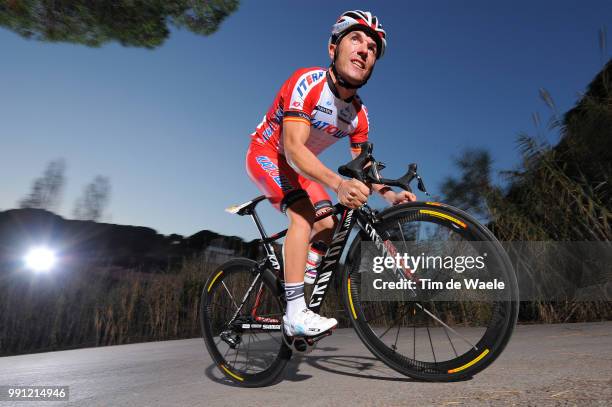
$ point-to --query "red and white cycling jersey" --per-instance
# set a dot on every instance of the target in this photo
(309, 96)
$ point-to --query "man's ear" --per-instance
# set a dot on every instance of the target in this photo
(331, 50)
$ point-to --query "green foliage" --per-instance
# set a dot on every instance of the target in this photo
(138, 23)
(474, 185)
(562, 192)
(557, 193)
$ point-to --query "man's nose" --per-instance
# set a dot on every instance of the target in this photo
(362, 50)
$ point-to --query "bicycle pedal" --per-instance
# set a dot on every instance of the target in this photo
(317, 338)
(299, 344)
(305, 344)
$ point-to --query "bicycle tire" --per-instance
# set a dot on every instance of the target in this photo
(224, 282)
(503, 314)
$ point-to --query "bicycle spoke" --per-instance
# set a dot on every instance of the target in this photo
(474, 327)
(275, 340)
(236, 356)
(377, 316)
(445, 325)
(414, 342)
(449, 339)
(256, 337)
(246, 296)
(399, 226)
(271, 336)
(431, 343)
(243, 303)
(230, 294)
(396, 337)
(246, 362)
(220, 305)
(396, 319)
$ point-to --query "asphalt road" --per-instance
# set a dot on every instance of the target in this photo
(567, 364)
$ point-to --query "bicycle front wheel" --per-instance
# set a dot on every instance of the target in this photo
(241, 315)
(431, 336)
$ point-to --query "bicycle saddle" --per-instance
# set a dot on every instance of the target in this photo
(245, 208)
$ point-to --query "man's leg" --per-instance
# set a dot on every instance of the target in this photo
(323, 230)
(301, 217)
(299, 320)
(322, 233)
(281, 184)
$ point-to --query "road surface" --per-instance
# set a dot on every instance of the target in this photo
(566, 364)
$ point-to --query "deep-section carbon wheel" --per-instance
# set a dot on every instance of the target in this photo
(241, 316)
(432, 336)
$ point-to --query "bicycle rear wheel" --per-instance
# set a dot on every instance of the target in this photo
(430, 338)
(241, 316)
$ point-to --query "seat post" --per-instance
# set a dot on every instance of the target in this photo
(258, 223)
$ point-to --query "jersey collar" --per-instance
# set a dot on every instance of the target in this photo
(332, 87)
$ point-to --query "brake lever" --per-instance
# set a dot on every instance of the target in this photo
(421, 185)
(355, 168)
(373, 172)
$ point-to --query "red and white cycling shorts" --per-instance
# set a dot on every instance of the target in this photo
(280, 183)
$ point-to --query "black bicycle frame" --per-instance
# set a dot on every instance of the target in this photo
(365, 218)
(329, 265)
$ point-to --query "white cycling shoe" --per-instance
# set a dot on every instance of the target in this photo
(307, 323)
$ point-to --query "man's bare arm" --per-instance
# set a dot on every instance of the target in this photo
(351, 193)
(302, 159)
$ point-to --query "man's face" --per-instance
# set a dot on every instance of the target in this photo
(356, 56)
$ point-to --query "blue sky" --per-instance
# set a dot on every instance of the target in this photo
(170, 126)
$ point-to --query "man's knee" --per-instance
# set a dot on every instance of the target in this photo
(321, 208)
(301, 214)
(326, 223)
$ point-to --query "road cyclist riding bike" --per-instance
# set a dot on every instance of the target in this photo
(315, 108)
(253, 313)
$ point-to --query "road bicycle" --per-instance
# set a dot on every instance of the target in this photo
(426, 336)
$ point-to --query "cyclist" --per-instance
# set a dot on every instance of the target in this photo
(315, 108)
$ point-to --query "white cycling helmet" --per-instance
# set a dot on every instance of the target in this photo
(360, 20)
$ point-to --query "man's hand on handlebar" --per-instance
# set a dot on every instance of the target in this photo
(396, 198)
(364, 168)
(352, 193)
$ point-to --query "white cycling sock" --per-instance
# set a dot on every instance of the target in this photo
(295, 299)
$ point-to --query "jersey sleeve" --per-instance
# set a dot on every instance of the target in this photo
(360, 134)
(301, 93)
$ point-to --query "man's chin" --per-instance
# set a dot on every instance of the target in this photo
(354, 79)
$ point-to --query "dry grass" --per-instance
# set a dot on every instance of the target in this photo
(99, 307)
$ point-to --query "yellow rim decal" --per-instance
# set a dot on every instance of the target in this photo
(445, 216)
(348, 285)
(434, 203)
(234, 375)
(214, 279)
(482, 355)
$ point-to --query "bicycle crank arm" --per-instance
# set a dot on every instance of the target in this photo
(311, 340)
(304, 344)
